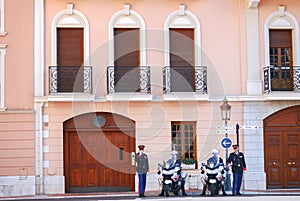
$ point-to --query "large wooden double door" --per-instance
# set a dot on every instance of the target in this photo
(282, 149)
(99, 158)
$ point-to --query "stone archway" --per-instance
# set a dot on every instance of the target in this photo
(98, 150)
(282, 148)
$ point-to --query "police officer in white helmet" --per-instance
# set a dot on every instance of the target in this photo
(218, 160)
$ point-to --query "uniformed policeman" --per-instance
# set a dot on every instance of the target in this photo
(215, 156)
(173, 161)
(142, 167)
(238, 166)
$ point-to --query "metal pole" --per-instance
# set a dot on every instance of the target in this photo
(228, 180)
(237, 134)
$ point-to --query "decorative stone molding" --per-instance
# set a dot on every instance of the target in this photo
(70, 8)
(281, 10)
(253, 3)
(182, 10)
(126, 9)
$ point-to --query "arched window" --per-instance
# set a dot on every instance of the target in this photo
(70, 70)
(183, 71)
(282, 20)
(281, 50)
(70, 18)
(127, 19)
(127, 53)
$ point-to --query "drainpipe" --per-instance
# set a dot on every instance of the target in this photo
(39, 94)
(39, 155)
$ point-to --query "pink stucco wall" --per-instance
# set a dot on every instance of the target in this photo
(19, 55)
(17, 122)
(221, 30)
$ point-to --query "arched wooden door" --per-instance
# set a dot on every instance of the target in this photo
(98, 150)
(282, 149)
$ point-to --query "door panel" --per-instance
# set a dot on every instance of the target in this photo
(99, 160)
(292, 162)
(282, 150)
(273, 153)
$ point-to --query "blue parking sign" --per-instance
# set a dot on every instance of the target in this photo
(226, 142)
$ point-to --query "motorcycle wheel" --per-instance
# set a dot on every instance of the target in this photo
(168, 189)
(176, 192)
(213, 189)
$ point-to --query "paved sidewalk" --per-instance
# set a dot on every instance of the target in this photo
(148, 193)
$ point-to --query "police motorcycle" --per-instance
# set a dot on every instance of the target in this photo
(172, 178)
(213, 175)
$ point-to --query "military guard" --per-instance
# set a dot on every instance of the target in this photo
(238, 166)
(142, 167)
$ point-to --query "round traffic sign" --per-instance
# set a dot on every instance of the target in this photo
(226, 142)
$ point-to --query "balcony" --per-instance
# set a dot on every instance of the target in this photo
(281, 78)
(185, 79)
(128, 79)
(70, 79)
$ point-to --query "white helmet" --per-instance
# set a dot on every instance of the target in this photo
(215, 152)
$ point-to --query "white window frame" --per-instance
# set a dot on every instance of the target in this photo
(2, 76)
(282, 19)
(70, 18)
(127, 18)
(183, 18)
(2, 11)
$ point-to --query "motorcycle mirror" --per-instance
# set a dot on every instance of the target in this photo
(203, 164)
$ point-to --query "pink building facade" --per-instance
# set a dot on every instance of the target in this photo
(102, 77)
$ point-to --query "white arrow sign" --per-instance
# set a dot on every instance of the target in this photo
(226, 142)
(226, 131)
(225, 127)
(248, 127)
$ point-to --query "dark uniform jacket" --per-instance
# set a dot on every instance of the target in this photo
(238, 162)
(142, 163)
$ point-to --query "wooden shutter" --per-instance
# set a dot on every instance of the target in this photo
(182, 60)
(127, 60)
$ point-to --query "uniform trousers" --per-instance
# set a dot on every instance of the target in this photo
(237, 182)
(142, 182)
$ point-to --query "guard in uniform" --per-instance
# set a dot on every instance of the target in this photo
(142, 167)
(238, 166)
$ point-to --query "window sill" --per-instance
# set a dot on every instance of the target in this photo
(188, 166)
(185, 96)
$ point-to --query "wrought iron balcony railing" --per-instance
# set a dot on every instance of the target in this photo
(185, 79)
(128, 79)
(70, 79)
(281, 78)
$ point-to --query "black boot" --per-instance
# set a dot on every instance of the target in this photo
(204, 190)
(223, 190)
(161, 193)
(183, 192)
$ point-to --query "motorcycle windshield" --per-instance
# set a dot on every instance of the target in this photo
(212, 163)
